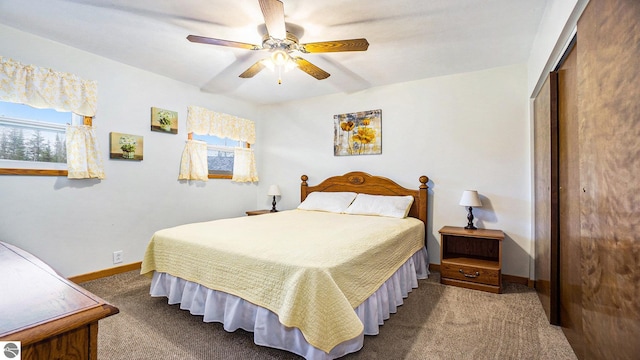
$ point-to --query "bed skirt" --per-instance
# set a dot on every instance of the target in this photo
(235, 313)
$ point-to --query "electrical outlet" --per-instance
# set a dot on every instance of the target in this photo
(117, 257)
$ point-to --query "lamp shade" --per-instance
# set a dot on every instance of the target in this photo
(470, 198)
(274, 190)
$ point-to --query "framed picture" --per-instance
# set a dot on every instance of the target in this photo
(164, 120)
(125, 146)
(358, 133)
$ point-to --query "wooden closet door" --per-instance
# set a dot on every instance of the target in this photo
(546, 187)
(570, 273)
(609, 102)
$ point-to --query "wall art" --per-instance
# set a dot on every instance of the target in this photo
(358, 133)
(164, 120)
(125, 146)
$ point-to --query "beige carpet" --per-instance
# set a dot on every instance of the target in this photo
(435, 322)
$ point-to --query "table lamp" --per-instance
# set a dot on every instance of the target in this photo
(274, 191)
(470, 198)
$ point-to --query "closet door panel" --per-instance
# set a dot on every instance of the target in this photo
(546, 260)
(609, 102)
(570, 276)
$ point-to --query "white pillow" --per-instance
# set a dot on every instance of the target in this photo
(336, 202)
(381, 205)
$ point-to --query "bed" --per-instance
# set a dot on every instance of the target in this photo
(313, 280)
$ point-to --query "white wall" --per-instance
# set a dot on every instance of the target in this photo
(466, 131)
(75, 225)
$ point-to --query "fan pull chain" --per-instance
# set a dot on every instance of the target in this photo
(279, 75)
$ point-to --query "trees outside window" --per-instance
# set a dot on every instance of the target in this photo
(32, 135)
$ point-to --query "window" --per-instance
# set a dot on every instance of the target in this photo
(32, 138)
(194, 164)
(220, 155)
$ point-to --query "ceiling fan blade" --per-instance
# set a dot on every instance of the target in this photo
(253, 70)
(212, 41)
(273, 12)
(311, 69)
(336, 46)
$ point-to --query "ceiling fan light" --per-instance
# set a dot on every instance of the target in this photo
(269, 64)
(290, 65)
(280, 57)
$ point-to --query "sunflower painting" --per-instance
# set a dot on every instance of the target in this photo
(357, 133)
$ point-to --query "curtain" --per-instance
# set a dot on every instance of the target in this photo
(83, 154)
(46, 88)
(244, 165)
(202, 121)
(194, 161)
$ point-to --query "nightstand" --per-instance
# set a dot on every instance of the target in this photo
(471, 258)
(258, 212)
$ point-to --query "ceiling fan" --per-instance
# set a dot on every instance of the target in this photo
(284, 46)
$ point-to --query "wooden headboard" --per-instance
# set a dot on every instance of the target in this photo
(361, 182)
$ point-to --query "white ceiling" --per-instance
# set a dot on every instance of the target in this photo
(409, 39)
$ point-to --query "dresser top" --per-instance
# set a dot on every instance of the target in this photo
(33, 293)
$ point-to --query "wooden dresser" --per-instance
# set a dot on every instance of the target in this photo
(52, 317)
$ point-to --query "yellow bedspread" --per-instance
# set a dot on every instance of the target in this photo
(310, 268)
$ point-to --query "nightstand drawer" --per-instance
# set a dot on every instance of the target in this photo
(470, 273)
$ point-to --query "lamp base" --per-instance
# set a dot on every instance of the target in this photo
(470, 220)
(273, 205)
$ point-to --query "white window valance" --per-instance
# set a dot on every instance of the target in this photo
(203, 121)
(46, 88)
